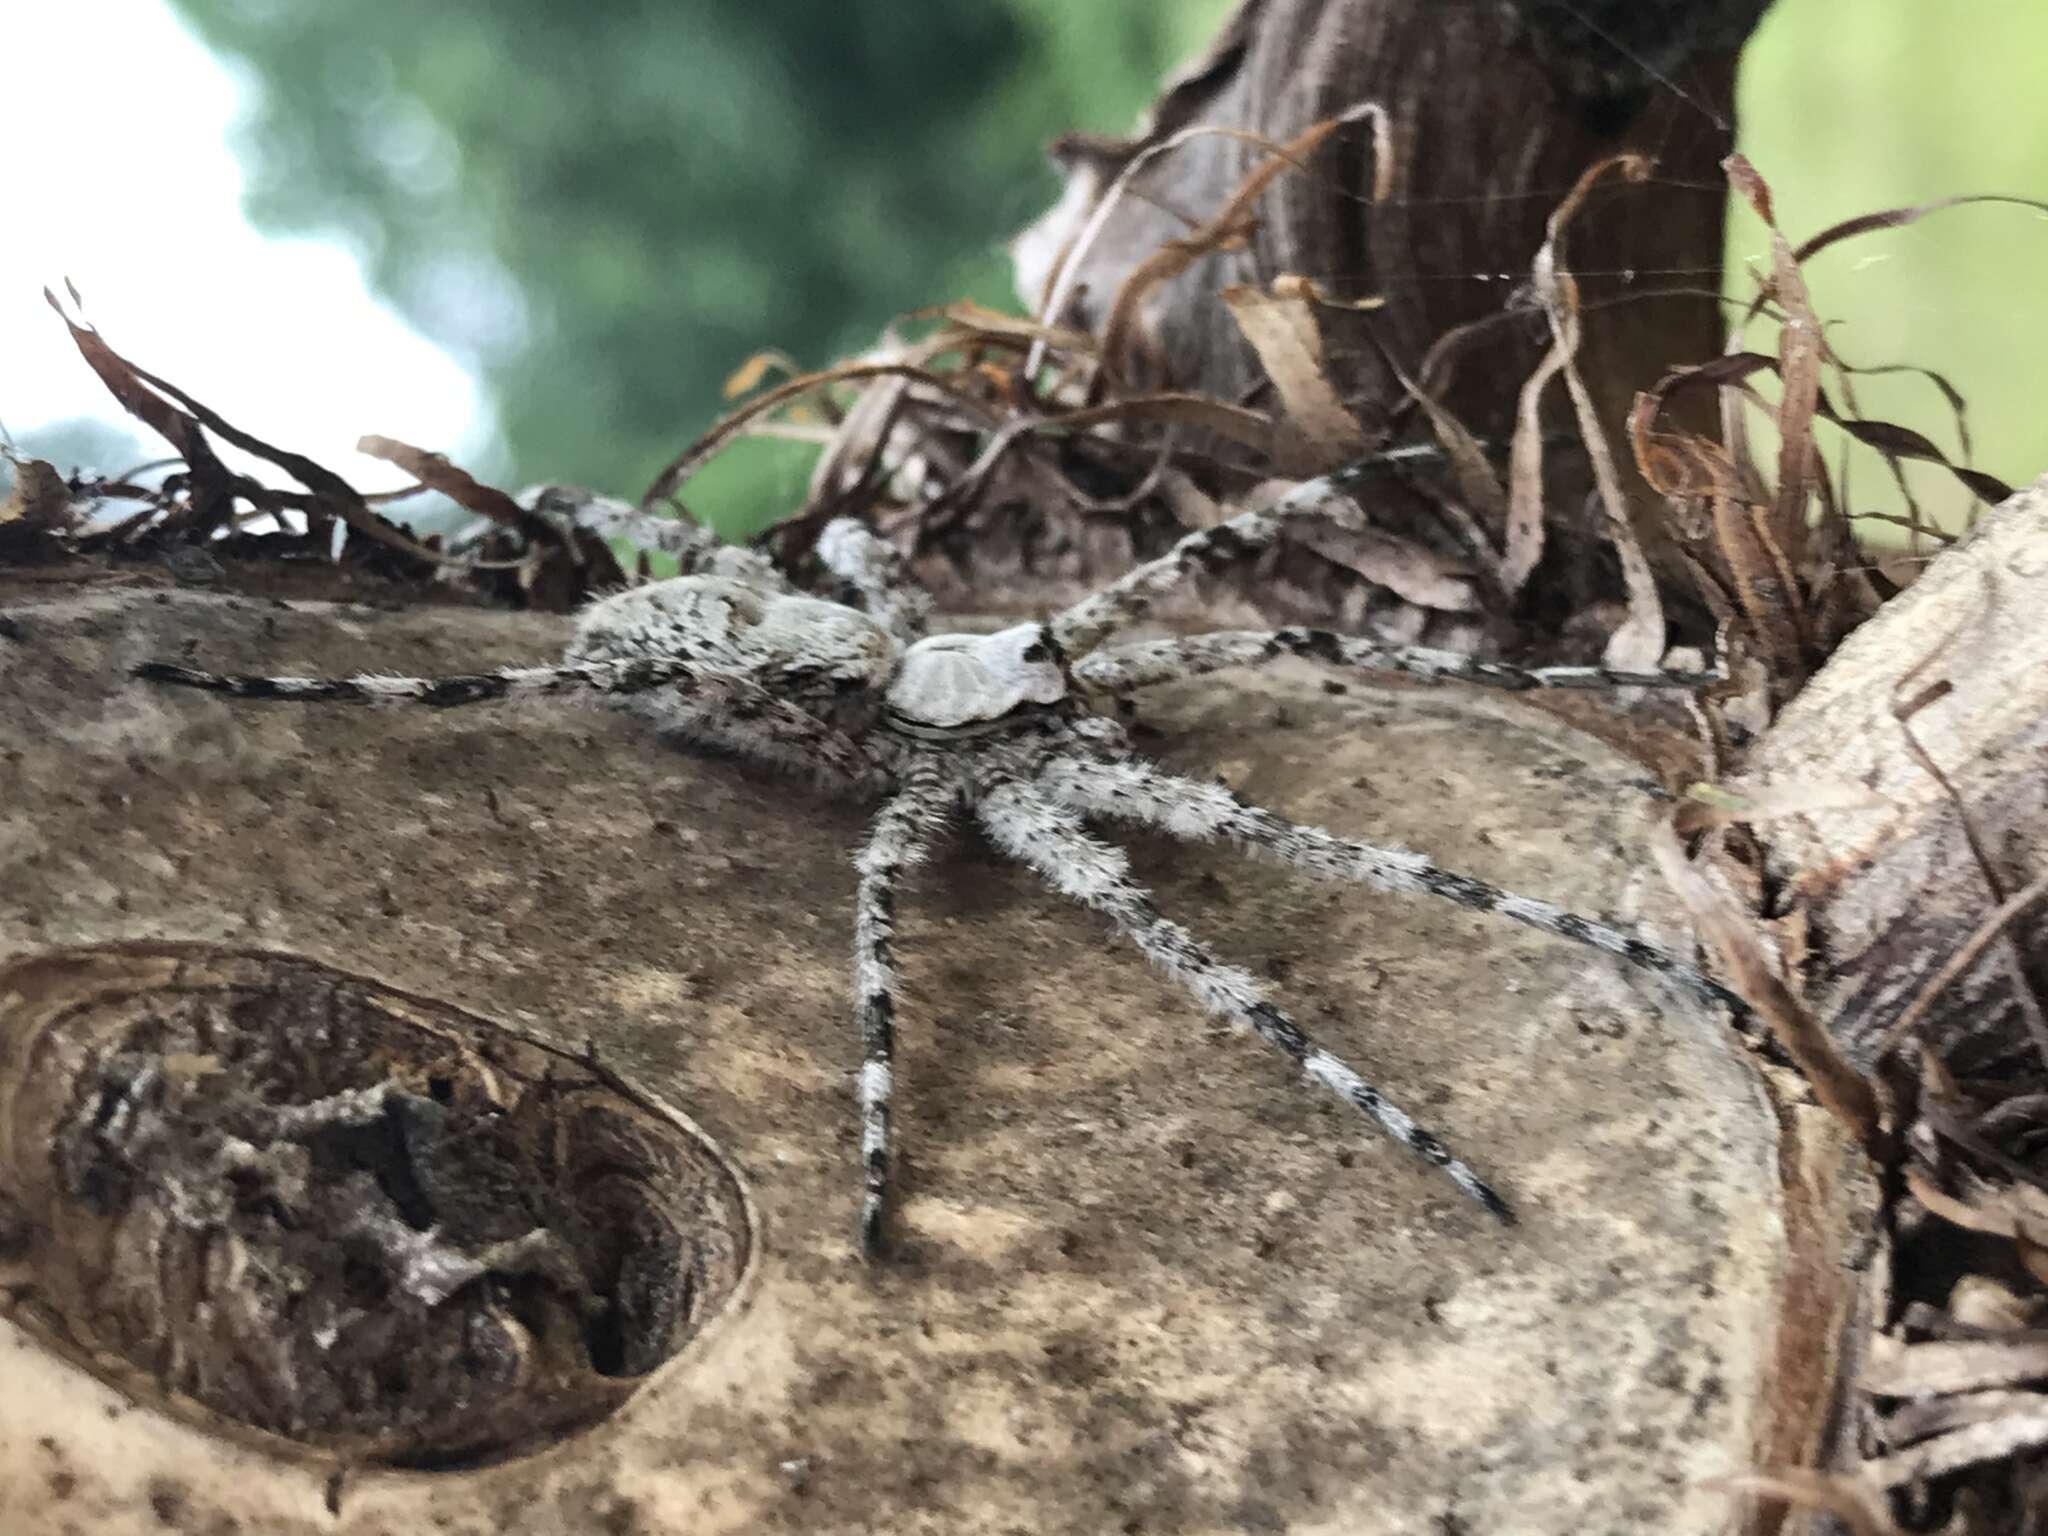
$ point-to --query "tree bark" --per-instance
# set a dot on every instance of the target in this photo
(1145, 1275)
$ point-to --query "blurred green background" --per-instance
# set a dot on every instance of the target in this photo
(602, 209)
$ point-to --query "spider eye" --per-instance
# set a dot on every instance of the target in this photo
(1036, 651)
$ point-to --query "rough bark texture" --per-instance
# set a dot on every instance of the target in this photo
(1150, 1282)
(1892, 889)
(1491, 118)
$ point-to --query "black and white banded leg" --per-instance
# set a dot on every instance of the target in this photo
(721, 707)
(1117, 669)
(899, 839)
(1130, 789)
(1050, 839)
(696, 551)
(878, 575)
(1084, 626)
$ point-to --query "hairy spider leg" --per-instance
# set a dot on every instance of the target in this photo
(881, 578)
(1084, 626)
(1140, 665)
(730, 710)
(696, 551)
(1050, 839)
(1127, 788)
(899, 840)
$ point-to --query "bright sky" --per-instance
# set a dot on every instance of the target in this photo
(120, 177)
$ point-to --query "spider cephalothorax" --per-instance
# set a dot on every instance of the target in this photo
(996, 726)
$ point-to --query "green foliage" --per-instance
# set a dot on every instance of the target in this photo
(604, 208)
(1850, 109)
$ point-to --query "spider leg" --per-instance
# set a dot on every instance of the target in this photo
(631, 676)
(1084, 626)
(899, 839)
(1050, 839)
(1124, 667)
(888, 591)
(1123, 786)
(696, 551)
(708, 705)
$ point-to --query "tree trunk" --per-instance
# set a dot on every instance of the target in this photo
(1422, 248)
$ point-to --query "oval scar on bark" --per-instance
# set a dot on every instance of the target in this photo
(292, 1203)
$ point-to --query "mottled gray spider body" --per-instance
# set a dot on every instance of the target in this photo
(999, 727)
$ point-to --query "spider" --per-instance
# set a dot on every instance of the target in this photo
(1003, 727)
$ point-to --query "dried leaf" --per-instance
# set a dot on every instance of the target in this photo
(1899, 218)
(1405, 568)
(1734, 940)
(1229, 224)
(727, 427)
(977, 322)
(748, 375)
(1522, 546)
(1064, 271)
(1639, 643)
(435, 472)
(40, 498)
(1886, 437)
(1283, 332)
(1234, 422)
(143, 394)
(1292, 285)
(1477, 483)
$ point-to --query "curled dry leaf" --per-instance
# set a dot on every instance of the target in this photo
(1656, 451)
(434, 471)
(1899, 218)
(562, 563)
(1228, 225)
(1639, 642)
(1733, 938)
(156, 402)
(1997, 1212)
(1056, 289)
(1522, 544)
(1293, 285)
(748, 376)
(978, 322)
(1281, 328)
(722, 431)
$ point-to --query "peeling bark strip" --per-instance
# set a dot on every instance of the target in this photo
(1893, 887)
